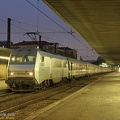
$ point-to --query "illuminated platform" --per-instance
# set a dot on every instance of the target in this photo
(98, 101)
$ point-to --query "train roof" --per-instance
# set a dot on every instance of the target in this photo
(43, 53)
(35, 50)
(74, 60)
(23, 50)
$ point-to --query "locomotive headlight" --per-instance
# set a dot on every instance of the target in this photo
(31, 73)
(11, 73)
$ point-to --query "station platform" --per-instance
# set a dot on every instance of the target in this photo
(3, 85)
(97, 101)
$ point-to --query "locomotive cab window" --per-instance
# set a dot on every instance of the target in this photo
(29, 58)
(16, 59)
(21, 59)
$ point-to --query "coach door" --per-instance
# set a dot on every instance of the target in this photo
(70, 70)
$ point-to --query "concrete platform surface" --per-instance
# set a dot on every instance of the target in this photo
(98, 101)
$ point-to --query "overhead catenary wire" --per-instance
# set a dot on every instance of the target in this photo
(19, 22)
(46, 15)
(37, 15)
(3, 20)
(71, 32)
(14, 24)
(20, 27)
(54, 31)
(56, 23)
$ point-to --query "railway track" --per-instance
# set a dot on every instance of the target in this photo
(4, 91)
(31, 102)
(25, 104)
(6, 94)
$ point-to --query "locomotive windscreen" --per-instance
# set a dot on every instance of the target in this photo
(22, 59)
(23, 56)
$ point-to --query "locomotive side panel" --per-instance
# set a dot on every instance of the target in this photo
(50, 67)
(56, 70)
(44, 68)
(36, 70)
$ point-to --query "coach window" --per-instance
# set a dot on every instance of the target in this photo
(42, 58)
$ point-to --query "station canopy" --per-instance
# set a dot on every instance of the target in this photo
(97, 21)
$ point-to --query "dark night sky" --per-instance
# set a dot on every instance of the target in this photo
(26, 18)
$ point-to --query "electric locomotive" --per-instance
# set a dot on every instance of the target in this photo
(30, 68)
